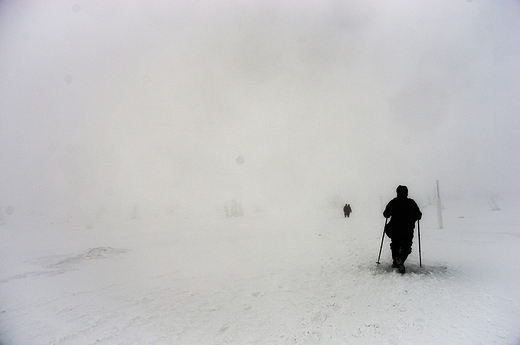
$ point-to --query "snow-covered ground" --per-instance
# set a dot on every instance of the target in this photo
(261, 279)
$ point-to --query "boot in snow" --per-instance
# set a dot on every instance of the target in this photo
(400, 266)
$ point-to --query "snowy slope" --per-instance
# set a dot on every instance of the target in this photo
(260, 279)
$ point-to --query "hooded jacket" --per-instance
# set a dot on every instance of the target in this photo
(404, 213)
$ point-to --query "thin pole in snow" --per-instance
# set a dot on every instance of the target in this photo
(439, 206)
(419, 235)
(382, 239)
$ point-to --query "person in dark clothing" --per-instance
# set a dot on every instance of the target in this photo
(347, 210)
(404, 212)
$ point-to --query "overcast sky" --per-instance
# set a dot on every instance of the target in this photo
(109, 104)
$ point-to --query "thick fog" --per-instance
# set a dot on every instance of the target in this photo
(138, 108)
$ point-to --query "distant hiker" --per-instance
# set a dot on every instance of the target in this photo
(347, 210)
(400, 228)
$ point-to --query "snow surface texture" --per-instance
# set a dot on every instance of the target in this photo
(261, 279)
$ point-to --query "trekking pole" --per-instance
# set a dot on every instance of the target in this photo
(419, 236)
(382, 239)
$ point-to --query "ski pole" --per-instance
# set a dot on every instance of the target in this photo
(419, 236)
(382, 239)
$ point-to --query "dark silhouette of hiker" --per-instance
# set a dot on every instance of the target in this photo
(404, 212)
(347, 210)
